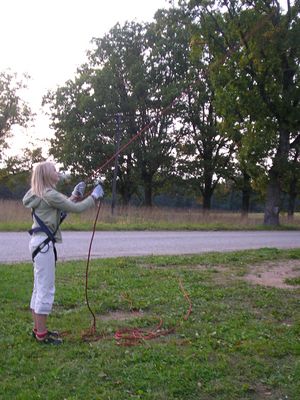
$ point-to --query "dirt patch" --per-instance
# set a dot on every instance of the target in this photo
(120, 315)
(263, 392)
(274, 274)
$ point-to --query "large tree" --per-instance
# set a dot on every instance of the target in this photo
(13, 110)
(83, 130)
(202, 153)
(257, 82)
(206, 152)
(119, 78)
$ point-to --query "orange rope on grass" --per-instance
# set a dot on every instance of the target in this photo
(134, 336)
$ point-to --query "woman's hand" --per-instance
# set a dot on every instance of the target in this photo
(98, 192)
(78, 192)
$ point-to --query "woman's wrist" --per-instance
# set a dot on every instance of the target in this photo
(74, 198)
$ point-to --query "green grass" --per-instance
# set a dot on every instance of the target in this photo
(240, 342)
(293, 281)
(16, 226)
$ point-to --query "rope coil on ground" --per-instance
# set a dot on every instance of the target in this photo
(134, 336)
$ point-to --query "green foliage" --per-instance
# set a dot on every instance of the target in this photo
(137, 70)
(232, 68)
(118, 78)
(15, 177)
(13, 186)
(13, 110)
(255, 72)
(25, 162)
(77, 143)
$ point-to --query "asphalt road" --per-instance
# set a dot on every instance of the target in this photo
(14, 245)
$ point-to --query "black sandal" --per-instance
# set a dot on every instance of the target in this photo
(50, 338)
(52, 333)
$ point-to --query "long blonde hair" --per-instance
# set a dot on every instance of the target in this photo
(43, 177)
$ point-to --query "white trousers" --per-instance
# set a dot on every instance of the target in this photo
(44, 276)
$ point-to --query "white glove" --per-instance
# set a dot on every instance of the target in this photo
(98, 192)
(79, 189)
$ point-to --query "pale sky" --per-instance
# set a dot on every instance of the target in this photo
(49, 39)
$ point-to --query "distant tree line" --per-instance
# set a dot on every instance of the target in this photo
(217, 82)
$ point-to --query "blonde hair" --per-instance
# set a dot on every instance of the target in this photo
(43, 177)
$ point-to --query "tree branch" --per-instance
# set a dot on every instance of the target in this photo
(295, 143)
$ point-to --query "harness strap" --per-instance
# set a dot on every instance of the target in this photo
(40, 248)
(50, 235)
(42, 228)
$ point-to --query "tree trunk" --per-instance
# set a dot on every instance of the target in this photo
(245, 203)
(277, 172)
(292, 199)
(126, 184)
(148, 195)
(125, 188)
(246, 194)
(272, 207)
(148, 192)
(207, 200)
(207, 189)
(293, 185)
(126, 196)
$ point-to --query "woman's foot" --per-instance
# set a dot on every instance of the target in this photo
(48, 337)
(52, 333)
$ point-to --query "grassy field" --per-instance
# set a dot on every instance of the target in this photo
(14, 217)
(240, 342)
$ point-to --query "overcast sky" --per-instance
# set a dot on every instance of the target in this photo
(49, 39)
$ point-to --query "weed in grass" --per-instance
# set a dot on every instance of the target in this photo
(293, 281)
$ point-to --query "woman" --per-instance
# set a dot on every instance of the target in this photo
(47, 206)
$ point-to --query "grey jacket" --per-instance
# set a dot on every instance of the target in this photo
(49, 207)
